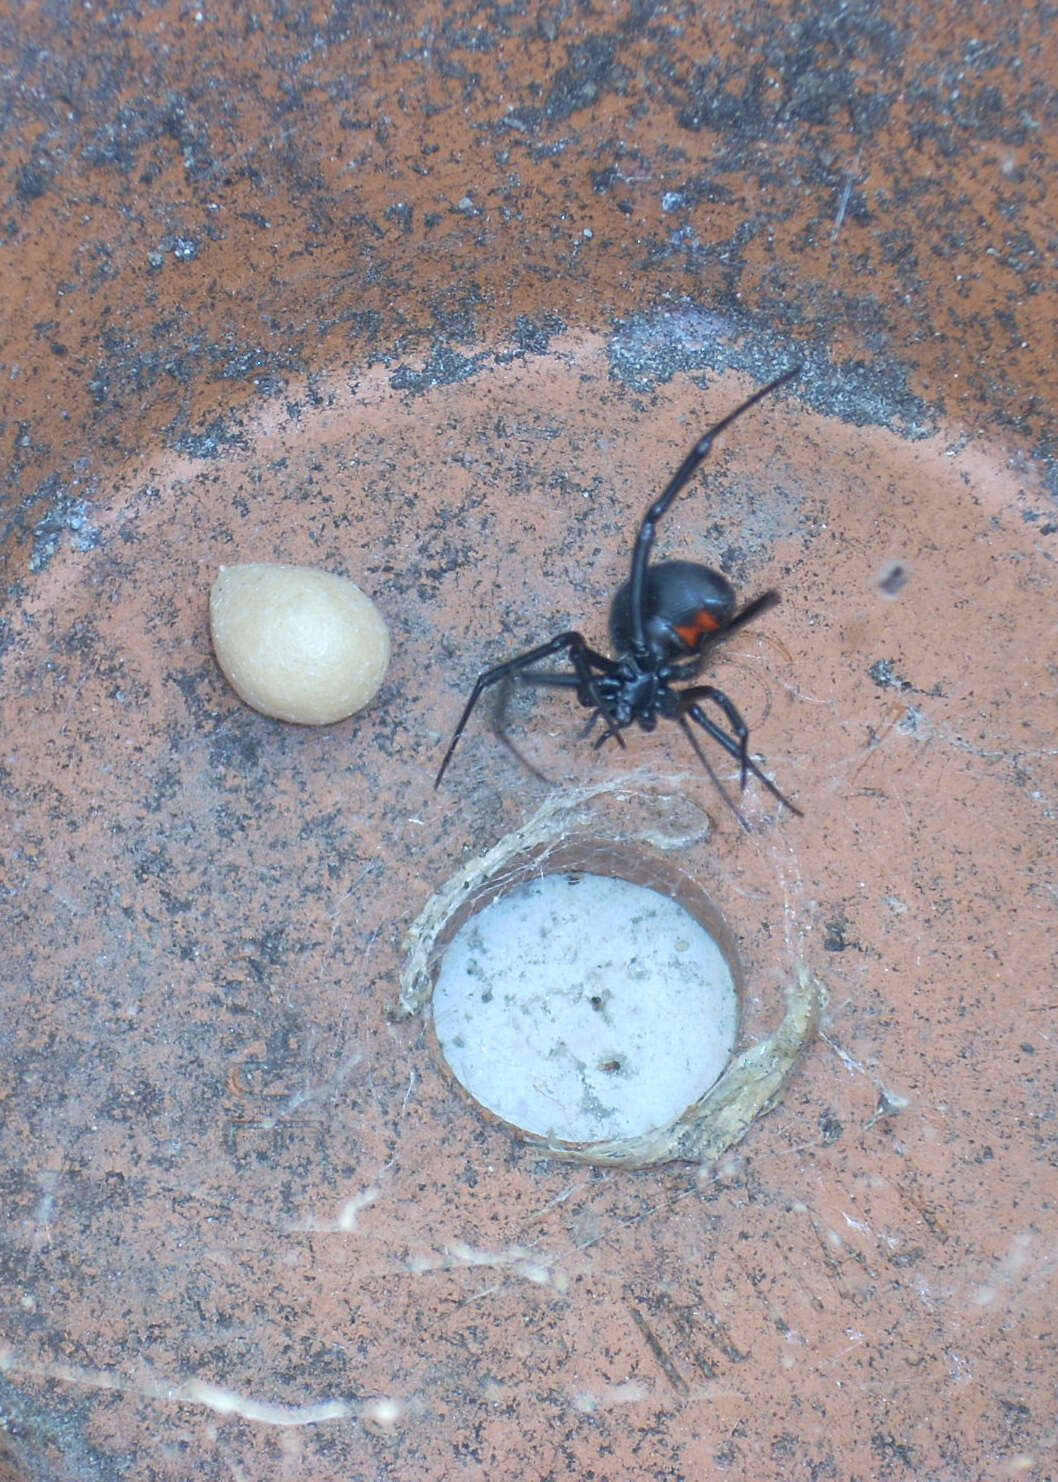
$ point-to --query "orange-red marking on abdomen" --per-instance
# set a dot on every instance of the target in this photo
(702, 622)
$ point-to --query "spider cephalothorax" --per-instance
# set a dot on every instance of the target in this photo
(663, 622)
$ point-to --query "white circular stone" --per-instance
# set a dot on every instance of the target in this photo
(582, 1007)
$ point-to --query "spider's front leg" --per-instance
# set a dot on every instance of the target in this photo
(586, 662)
(737, 744)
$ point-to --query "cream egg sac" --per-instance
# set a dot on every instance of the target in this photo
(295, 643)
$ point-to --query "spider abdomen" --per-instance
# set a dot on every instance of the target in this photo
(684, 603)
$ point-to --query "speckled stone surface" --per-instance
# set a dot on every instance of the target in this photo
(436, 299)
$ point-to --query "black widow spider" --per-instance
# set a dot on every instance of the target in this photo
(664, 622)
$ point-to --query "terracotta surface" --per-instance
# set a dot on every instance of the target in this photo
(436, 300)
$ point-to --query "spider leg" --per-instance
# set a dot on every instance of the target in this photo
(499, 728)
(734, 747)
(587, 690)
(680, 479)
(586, 662)
(740, 745)
(711, 773)
(611, 731)
(550, 679)
(587, 694)
(751, 610)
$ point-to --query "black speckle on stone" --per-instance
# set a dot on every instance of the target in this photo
(894, 578)
(533, 336)
(692, 192)
(271, 945)
(143, 131)
(183, 248)
(888, 1450)
(836, 939)
(647, 350)
(401, 214)
(454, 312)
(199, 688)
(443, 367)
(1016, 1412)
(266, 369)
(65, 515)
(235, 749)
(717, 101)
(588, 75)
(132, 1101)
(212, 442)
(886, 678)
(32, 180)
(522, 120)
